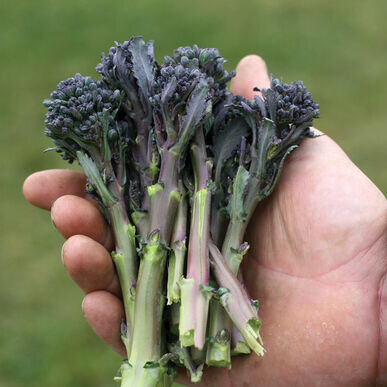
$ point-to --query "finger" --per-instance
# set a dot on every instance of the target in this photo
(104, 312)
(73, 215)
(42, 188)
(251, 72)
(90, 265)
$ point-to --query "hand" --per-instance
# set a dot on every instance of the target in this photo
(317, 264)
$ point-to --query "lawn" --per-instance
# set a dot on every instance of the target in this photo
(339, 49)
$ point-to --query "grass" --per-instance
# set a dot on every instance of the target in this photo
(337, 48)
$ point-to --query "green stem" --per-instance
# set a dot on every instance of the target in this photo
(124, 257)
(236, 301)
(175, 271)
(145, 368)
(174, 318)
(194, 299)
(164, 198)
(149, 303)
(218, 352)
(194, 296)
(177, 256)
(231, 244)
(198, 355)
(219, 331)
(238, 343)
(186, 360)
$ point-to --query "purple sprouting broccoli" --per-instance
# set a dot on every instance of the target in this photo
(81, 113)
(82, 122)
(182, 105)
(130, 67)
(178, 166)
(247, 170)
(209, 62)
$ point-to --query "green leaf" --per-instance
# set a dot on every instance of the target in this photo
(143, 64)
(151, 364)
(220, 292)
(208, 124)
(168, 90)
(273, 183)
(93, 174)
(197, 107)
(56, 149)
(167, 93)
(272, 151)
(223, 336)
(207, 289)
(270, 98)
(211, 186)
(125, 366)
(122, 73)
(255, 304)
(265, 141)
(226, 144)
(237, 210)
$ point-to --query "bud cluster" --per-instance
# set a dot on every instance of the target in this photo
(77, 111)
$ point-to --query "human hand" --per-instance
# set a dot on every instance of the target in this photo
(317, 264)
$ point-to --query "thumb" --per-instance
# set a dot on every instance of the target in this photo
(251, 72)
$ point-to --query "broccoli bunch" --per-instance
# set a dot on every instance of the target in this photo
(178, 166)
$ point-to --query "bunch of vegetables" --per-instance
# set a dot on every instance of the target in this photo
(178, 166)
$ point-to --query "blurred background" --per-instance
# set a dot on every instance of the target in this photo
(338, 48)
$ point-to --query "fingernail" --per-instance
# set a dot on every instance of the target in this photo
(83, 301)
(52, 214)
(61, 254)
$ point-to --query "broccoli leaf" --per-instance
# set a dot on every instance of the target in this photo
(235, 208)
(198, 106)
(225, 145)
(143, 64)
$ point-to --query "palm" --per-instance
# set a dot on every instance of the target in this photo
(316, 265)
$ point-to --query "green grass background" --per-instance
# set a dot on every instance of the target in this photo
(339, 49)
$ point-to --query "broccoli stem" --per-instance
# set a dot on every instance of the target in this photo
(174, 318)
(218, 352)
(149, 306)
(236, 301)
(149, 303)
(194, 301)
(124, 257)
(185, 359)
(178, 253)
(232, 243)
(194, 297)
(198, 355)
(238, 343)
(165, 197)
(175, 270)
(219, 330)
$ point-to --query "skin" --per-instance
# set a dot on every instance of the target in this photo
(317, 264)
